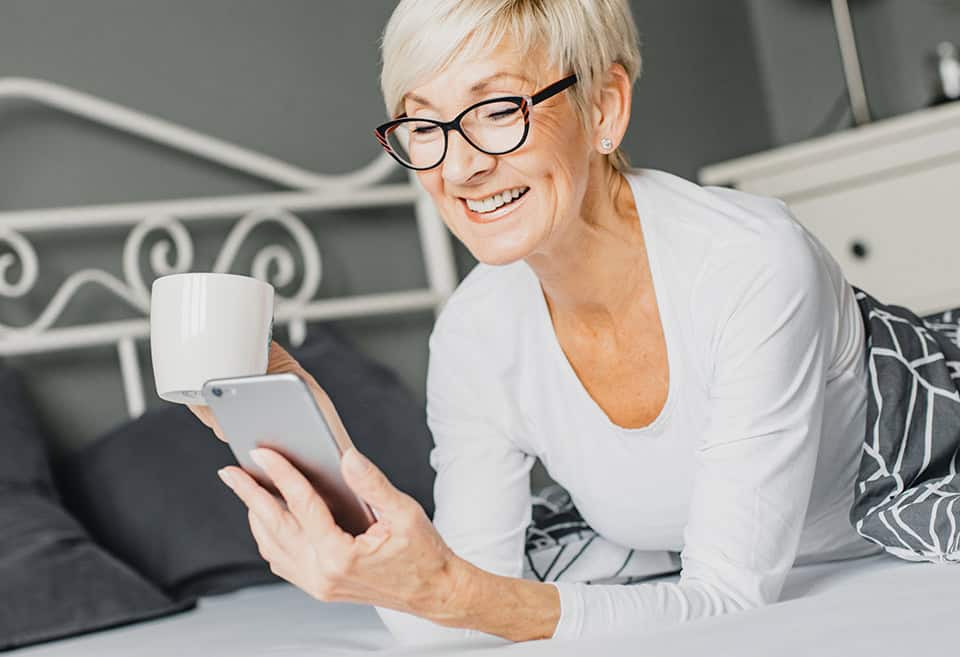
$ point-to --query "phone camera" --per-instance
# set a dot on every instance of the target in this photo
(217, 392)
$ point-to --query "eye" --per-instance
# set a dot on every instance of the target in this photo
(425, 130)
(498, 114)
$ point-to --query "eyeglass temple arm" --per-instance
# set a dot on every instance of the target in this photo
(553, 89)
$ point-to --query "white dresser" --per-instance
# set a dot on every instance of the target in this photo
(884, 199)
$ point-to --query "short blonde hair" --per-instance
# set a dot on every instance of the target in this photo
(579, 36)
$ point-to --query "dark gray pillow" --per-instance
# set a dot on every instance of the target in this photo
(54, 581)
(383, 419)
(149, 490)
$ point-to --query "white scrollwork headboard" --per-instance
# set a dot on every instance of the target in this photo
(174, 252)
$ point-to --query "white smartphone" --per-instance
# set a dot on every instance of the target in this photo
(278, 411)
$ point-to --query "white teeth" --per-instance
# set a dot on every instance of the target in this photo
(495, 201)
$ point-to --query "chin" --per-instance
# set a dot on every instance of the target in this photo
(501, 249)
(507, 244)
(500, 242)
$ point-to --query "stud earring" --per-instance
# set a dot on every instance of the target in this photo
(606, 144)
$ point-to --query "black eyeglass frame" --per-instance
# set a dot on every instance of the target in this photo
(523, 102)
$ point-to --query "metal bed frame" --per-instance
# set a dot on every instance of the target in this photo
(309, 191)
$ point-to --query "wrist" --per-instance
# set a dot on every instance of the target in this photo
(456, 590)
(513, 608)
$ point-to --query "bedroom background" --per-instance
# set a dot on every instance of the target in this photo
(298, 80)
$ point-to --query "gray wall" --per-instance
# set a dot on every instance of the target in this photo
(270, 76)
(701, 98)
(296, 79)
(800, 60)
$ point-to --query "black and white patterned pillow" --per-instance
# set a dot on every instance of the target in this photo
(907, 497)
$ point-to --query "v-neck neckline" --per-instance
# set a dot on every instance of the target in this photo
(646, 216)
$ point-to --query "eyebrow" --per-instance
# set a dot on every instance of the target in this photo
(475, 89)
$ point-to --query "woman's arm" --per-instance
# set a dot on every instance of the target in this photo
(754, 474)
(753, 482)
(462, 582)
(508, 607)
(481, 493)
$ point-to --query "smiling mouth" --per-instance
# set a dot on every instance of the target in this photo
(496, 201)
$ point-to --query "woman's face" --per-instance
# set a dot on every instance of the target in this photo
(549, 171)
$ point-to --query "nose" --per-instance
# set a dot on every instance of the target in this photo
(463, 162)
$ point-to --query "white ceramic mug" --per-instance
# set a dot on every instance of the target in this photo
(207, 326)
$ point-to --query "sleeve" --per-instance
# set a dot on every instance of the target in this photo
(482, 487)
(770, 326)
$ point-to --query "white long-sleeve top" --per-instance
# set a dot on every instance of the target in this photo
(749, 467)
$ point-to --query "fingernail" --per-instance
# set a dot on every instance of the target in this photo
(225, 476)
(356, 462)
(257, 457)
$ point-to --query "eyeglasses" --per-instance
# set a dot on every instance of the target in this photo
(496, 127)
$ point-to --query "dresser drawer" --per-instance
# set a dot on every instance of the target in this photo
(898, 238)
(883, 199)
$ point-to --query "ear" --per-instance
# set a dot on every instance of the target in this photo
(611, 107)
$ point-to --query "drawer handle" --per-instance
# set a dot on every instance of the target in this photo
(859, 249)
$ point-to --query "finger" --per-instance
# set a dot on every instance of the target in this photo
(302, 499)
(205, 415)
(270, 548)
(369, 482)
(373, 539)
(279, 360)
(201, 412)
(282, 566)
(260, 501)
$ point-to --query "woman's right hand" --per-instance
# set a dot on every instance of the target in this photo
(279, 361)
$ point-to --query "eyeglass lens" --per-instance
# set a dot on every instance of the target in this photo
(495, 128)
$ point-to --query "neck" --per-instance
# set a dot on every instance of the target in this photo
(591, 272)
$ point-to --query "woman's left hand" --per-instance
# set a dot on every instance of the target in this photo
(400, 562)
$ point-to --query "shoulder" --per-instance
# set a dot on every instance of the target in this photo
(746, 232)
(475, 347)
(485, 315)
(731, 218)
(752, 246)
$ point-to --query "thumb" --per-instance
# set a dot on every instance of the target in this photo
(369, 482)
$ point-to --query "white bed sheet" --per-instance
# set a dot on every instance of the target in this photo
(877, 606)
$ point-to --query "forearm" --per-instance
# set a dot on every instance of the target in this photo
(512, 608)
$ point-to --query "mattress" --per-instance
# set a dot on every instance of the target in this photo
(877, 605)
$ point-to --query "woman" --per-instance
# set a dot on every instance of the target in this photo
(688, 363)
